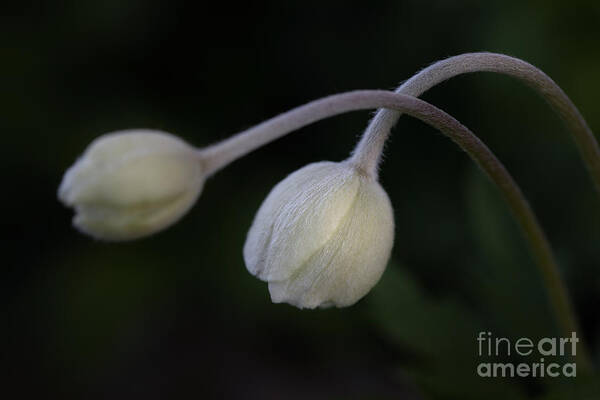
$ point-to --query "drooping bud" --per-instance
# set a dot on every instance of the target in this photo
(133, 183)
(322, 237)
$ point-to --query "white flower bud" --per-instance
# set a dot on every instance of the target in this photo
(133, 183)
(322, 237)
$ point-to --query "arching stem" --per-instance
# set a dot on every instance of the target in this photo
(368, 150)
(217, 156)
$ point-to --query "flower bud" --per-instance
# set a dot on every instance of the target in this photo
(322, 237)
(133, 183)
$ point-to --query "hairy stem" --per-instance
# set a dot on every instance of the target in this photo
(368, 151)
(217, 156)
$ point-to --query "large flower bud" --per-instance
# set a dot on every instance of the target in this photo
(322, 237)
(133, 183)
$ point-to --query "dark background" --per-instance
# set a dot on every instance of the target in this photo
(177, 314)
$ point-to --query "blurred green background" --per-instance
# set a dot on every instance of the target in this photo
(177, 314)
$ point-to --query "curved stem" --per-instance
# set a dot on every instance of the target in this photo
(217, 156)
(368, 150)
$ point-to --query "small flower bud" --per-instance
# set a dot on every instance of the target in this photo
(322, 237)
(133, 183)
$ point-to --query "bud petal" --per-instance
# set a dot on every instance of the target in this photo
(133, 183)
(322, 237)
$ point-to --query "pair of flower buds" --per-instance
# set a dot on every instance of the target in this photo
(324, 235)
